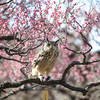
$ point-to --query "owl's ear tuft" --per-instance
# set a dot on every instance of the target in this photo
(57, 41)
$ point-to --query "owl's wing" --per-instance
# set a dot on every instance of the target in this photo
(38, 58)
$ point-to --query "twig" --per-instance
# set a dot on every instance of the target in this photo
(7, 50)
(1, 57)
(11, 93)
(23, 71)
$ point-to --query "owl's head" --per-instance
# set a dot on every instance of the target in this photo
(50, 45)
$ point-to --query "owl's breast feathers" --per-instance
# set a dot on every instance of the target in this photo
(45, 58)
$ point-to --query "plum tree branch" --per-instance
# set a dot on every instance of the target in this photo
(11, 93)
(6, 85)
(84, 38)
(1, 57)
(6, 2)
(18, 51)
(9, 38)
(76, 63)
(61, 82)
(7, 50)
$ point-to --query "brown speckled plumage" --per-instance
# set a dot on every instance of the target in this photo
(44, 62)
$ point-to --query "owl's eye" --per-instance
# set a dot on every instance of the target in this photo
(54, 44)
(48, 44)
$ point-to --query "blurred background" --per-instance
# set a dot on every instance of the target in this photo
(29, 22)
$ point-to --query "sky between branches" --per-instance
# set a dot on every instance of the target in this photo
(85, 5)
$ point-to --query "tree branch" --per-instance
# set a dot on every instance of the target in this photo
(61, 82)
(76, 63)
(84, 38)
(7, 50)
(11, 93)
(92, 85)
(6, 85)
(9, 37)
(6, 2)
(1, 57)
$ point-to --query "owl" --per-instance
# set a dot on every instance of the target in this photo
(45, 60)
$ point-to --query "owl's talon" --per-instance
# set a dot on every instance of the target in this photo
(41, 78)
(48, 78)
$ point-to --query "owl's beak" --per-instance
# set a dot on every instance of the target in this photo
(51, 48)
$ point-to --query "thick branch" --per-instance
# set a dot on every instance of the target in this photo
(6, 2)
(61, 82)
(9, 38)
(52, 82)
(32, 80)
